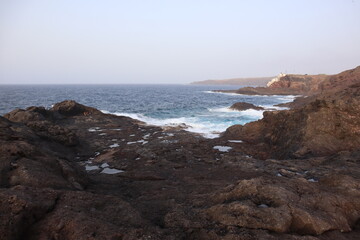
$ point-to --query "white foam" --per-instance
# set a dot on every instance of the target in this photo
(223, 148)
(226, 93)
(222, 110)
(246, 113)
(235, 141)
(198, 124)
(115, 145)
(111, 171)
(102, 134)
(131, 143)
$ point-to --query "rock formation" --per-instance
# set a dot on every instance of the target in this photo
(321, 125)
(241, 106)
(291, 84)
(72, 172)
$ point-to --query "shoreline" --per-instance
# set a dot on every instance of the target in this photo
(91, 168)
(73, 172)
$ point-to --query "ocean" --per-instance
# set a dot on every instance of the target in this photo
(203, 111)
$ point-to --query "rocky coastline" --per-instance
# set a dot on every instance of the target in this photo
(73, 172)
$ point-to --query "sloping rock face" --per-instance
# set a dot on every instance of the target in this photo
(323, 125)
(316, 84)
(291, 84)
(302, 84)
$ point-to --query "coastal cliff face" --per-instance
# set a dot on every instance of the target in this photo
(261, 81)
(315, 84)
(73, 173)
(291, 84)
(320, 125)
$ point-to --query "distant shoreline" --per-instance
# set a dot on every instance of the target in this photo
(258, 81)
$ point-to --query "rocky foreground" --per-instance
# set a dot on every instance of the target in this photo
(72, 172)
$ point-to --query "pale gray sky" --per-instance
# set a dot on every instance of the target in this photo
(179, 41)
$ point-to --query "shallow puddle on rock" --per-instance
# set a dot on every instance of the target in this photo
(111, 171)
(91, 168)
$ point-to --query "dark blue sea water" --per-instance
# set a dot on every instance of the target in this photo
(204, 111)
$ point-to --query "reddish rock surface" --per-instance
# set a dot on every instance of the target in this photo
(308, 85)
(321, 125)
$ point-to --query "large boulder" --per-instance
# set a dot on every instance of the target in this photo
(72, 108)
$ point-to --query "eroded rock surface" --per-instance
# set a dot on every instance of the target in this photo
(327, 124)
(72, 172)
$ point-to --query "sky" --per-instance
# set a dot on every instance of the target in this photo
(174, 41)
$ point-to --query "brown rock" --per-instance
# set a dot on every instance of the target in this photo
(72, 108)
(241, 106)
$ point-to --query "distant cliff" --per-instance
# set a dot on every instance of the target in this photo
(286, 84)
(260, 81)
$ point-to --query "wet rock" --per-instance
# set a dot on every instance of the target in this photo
(241, 106)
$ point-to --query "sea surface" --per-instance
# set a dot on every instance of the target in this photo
(204, 111)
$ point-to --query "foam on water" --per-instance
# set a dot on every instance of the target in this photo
(225, 93)
(195, 124)
(210, 124)
(201, 110)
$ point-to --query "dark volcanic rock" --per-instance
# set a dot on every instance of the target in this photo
(241, 106)
(21, 207)
(72, 172)
(30, 114)
(72, 108)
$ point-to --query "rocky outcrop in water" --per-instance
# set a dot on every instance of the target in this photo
(241, 106)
